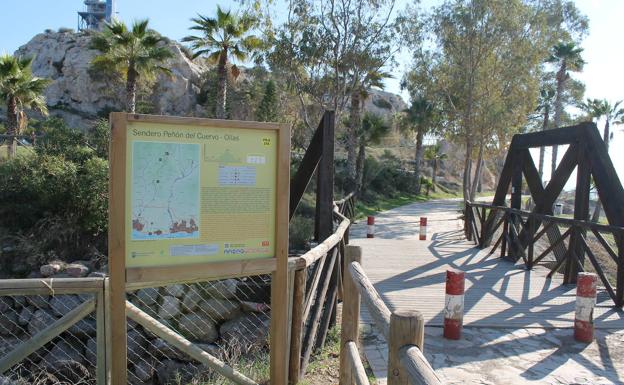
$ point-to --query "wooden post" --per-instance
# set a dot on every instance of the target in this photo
(581, 212)
(297, 326)
(100, 335)
(325, 182)
(504, 235)
(350, 313)
(406, 328)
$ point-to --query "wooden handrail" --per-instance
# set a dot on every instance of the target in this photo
(378, 309)
(356, 368)
(419, 371)
(567, 221)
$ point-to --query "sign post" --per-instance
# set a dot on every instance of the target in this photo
(197, 198)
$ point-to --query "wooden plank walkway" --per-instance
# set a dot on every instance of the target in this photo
(410, 274)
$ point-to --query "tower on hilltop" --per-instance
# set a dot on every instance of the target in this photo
(95, 14)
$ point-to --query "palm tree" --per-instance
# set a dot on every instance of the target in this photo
(223, 37)
(132, 53)
(598, 108)
(545, 101)
(20, 90)
(374, 127)
(418, 118)
(434, 153)
(567, 56)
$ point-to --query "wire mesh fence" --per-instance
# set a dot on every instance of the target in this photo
(68, 358)
(229, 319)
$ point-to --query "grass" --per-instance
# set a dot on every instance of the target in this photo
(364, 209)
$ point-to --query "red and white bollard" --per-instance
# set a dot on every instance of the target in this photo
(423, 228)
(585, 302)
(370, 231)
(454, 304)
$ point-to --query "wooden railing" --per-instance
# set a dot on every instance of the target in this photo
(403, 330)
(522, 231)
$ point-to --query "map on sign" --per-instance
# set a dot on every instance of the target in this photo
(165, 190)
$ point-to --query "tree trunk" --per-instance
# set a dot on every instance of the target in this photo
(361, 156)
(418, 156)
(12, 127)
(131, 87)
(222, 84)
(352, 138)
(467, 170)
(542, 152)
(477, 175)
(434, 174)
(561, 78)
(480, 180)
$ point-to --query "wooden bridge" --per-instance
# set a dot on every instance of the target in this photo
(410, 274)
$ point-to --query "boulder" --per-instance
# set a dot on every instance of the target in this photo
(176, 290)
(97, 274)
(39, 301)
(148, 296)
(86, 327)
(7, 344)
(51, 269)
(246, 332)
(161, 349)
(175, 372)
(170, 307)
(20, 301)
(143, 371)
(197, 327)
(8, 323)
(6, 304)
(191, 299)
(91, 351)
(63, 304)
(219, 310)
(77, 270)
(221, 289)
(40, 320)
(25, 315)
(64, 351)
(137, 345)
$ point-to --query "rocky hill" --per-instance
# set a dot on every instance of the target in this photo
(79, 95)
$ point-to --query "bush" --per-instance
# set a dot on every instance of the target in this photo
(385, 178)
(301, 231)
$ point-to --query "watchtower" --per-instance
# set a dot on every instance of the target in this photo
(95, 14)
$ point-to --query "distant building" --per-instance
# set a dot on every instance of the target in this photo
(95, 14)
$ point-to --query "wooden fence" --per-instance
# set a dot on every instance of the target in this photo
(522, 232)
(403, 330)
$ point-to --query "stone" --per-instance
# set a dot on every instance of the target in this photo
(25, 315)
(170, 307)
(219, 310)
(174, 372)
(77, 270)
(8, 323)
(91, 351)
(97, 274)
(191, 299)
(63, 304)
(137, 345)
(159, 348)
(64, 351)
(51, 269)
(246, 332)
(7, 381)
(39, 301)
(6, 304)
(148, 296)
(20, 301)
(86, 327)
(176, 290)
(40, 320)
(221, 289)
(143, 371)
(197, 327)
(7, 344)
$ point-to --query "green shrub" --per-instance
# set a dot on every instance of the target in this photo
(301, 231)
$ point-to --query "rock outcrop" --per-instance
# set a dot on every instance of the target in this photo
(78, 94)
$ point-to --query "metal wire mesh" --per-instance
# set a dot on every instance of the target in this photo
(228, 319)
(70, 358)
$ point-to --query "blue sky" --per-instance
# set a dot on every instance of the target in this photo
(602, 75)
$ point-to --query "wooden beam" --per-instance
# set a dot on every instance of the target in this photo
(186, 346)
(46, 335)
(556, 136)
(297, 326)
(350, 326)
(376, 306)
(306, 168)
(325, 182)
(354, 372)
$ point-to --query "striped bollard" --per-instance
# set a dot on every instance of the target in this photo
(370, 231)
(585, 302)
(454, 304)
(423, 228)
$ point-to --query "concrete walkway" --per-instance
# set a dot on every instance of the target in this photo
(511, 314)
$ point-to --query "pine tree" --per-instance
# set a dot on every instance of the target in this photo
(267, 110)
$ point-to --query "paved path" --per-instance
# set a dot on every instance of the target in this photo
(410, 274)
